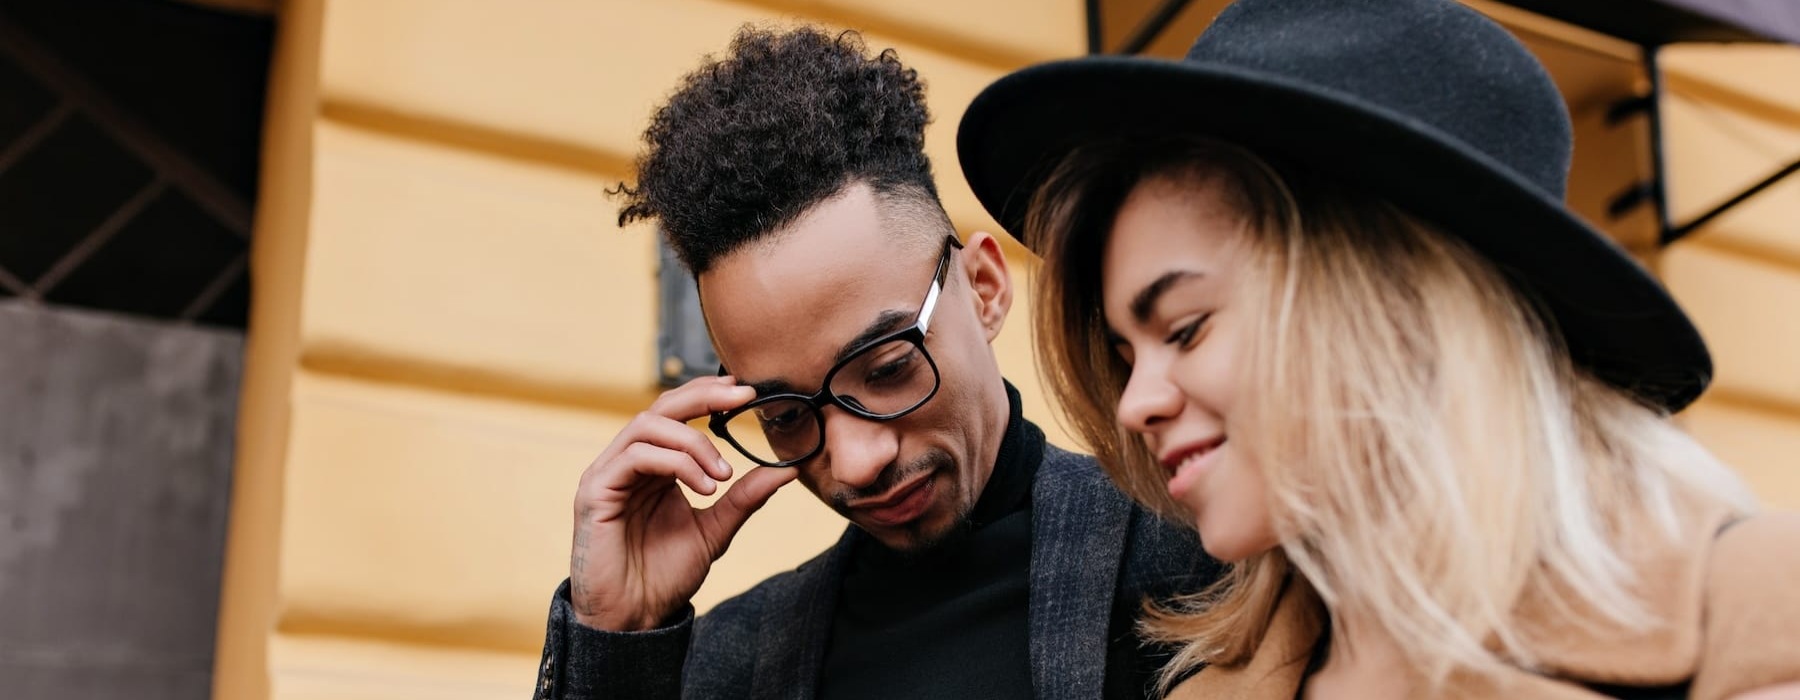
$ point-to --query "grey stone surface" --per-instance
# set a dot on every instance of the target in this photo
(116, 442)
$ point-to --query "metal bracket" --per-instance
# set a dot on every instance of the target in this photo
(1096, 37)
(1152, 26)
(684, 348)
(1655, 190)
(1675, 234)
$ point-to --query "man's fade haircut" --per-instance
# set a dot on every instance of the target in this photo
(789, 119)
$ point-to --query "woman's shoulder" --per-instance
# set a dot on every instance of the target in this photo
(1751, 633)
(1744, 543)
(1753, 560)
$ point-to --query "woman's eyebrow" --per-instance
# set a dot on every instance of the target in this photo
(1145, 301)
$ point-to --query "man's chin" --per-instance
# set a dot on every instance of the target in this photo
(943, 517)
(925, 533)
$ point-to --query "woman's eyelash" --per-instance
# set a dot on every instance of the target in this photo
(1185, 334)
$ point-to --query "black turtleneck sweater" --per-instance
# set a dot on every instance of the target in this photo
(950, 622)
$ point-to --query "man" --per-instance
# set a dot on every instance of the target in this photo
(790, 178)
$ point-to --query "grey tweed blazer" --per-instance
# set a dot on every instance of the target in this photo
(1095, 557)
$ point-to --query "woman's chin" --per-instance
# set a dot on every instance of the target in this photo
(1232, 547)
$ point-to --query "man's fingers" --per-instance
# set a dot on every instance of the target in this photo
(722, 521)
(642, 461)
(668, 433)
(662, 431)
(700, 397)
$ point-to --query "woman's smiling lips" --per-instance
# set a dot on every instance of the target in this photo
(1186, 462)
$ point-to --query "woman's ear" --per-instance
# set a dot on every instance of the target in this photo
(984, 264)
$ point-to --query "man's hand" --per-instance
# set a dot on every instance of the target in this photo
(1785, 691)
(641, 551)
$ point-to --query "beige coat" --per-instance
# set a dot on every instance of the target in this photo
(1734, 603)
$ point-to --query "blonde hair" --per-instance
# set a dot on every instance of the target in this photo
(1432, 456)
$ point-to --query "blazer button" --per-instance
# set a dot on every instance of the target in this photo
(544, 681)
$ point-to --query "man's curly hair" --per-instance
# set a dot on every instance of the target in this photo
(787, 120)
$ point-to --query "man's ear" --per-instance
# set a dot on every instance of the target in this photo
(984, 265)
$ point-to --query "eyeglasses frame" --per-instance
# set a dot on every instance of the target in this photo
(817, 401)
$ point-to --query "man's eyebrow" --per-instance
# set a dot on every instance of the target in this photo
(883, 324)
(772, 386)
(1145, 301)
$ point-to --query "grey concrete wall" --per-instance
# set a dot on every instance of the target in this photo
(115, 464)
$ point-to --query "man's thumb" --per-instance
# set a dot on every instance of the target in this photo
(748, 495)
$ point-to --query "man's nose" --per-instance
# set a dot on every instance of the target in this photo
(858, 449)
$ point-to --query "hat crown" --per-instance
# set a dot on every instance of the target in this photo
(1433, 62)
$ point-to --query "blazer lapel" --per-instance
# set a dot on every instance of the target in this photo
(796, 625)
(1078, 528)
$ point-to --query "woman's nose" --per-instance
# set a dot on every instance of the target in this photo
(1149, 401)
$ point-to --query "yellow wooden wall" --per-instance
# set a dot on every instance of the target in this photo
(448, 326)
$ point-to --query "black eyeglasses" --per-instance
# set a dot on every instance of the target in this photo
(884, 379)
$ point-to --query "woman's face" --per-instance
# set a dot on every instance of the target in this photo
(1168, 275)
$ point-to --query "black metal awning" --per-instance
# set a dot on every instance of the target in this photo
(1132, 26)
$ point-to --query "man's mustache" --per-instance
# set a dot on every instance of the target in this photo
(890, 477)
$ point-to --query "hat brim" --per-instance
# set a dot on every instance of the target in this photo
(1617, 320)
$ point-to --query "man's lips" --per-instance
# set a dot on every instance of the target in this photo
(901, 505)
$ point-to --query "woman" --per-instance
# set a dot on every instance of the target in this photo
(1313, 289)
